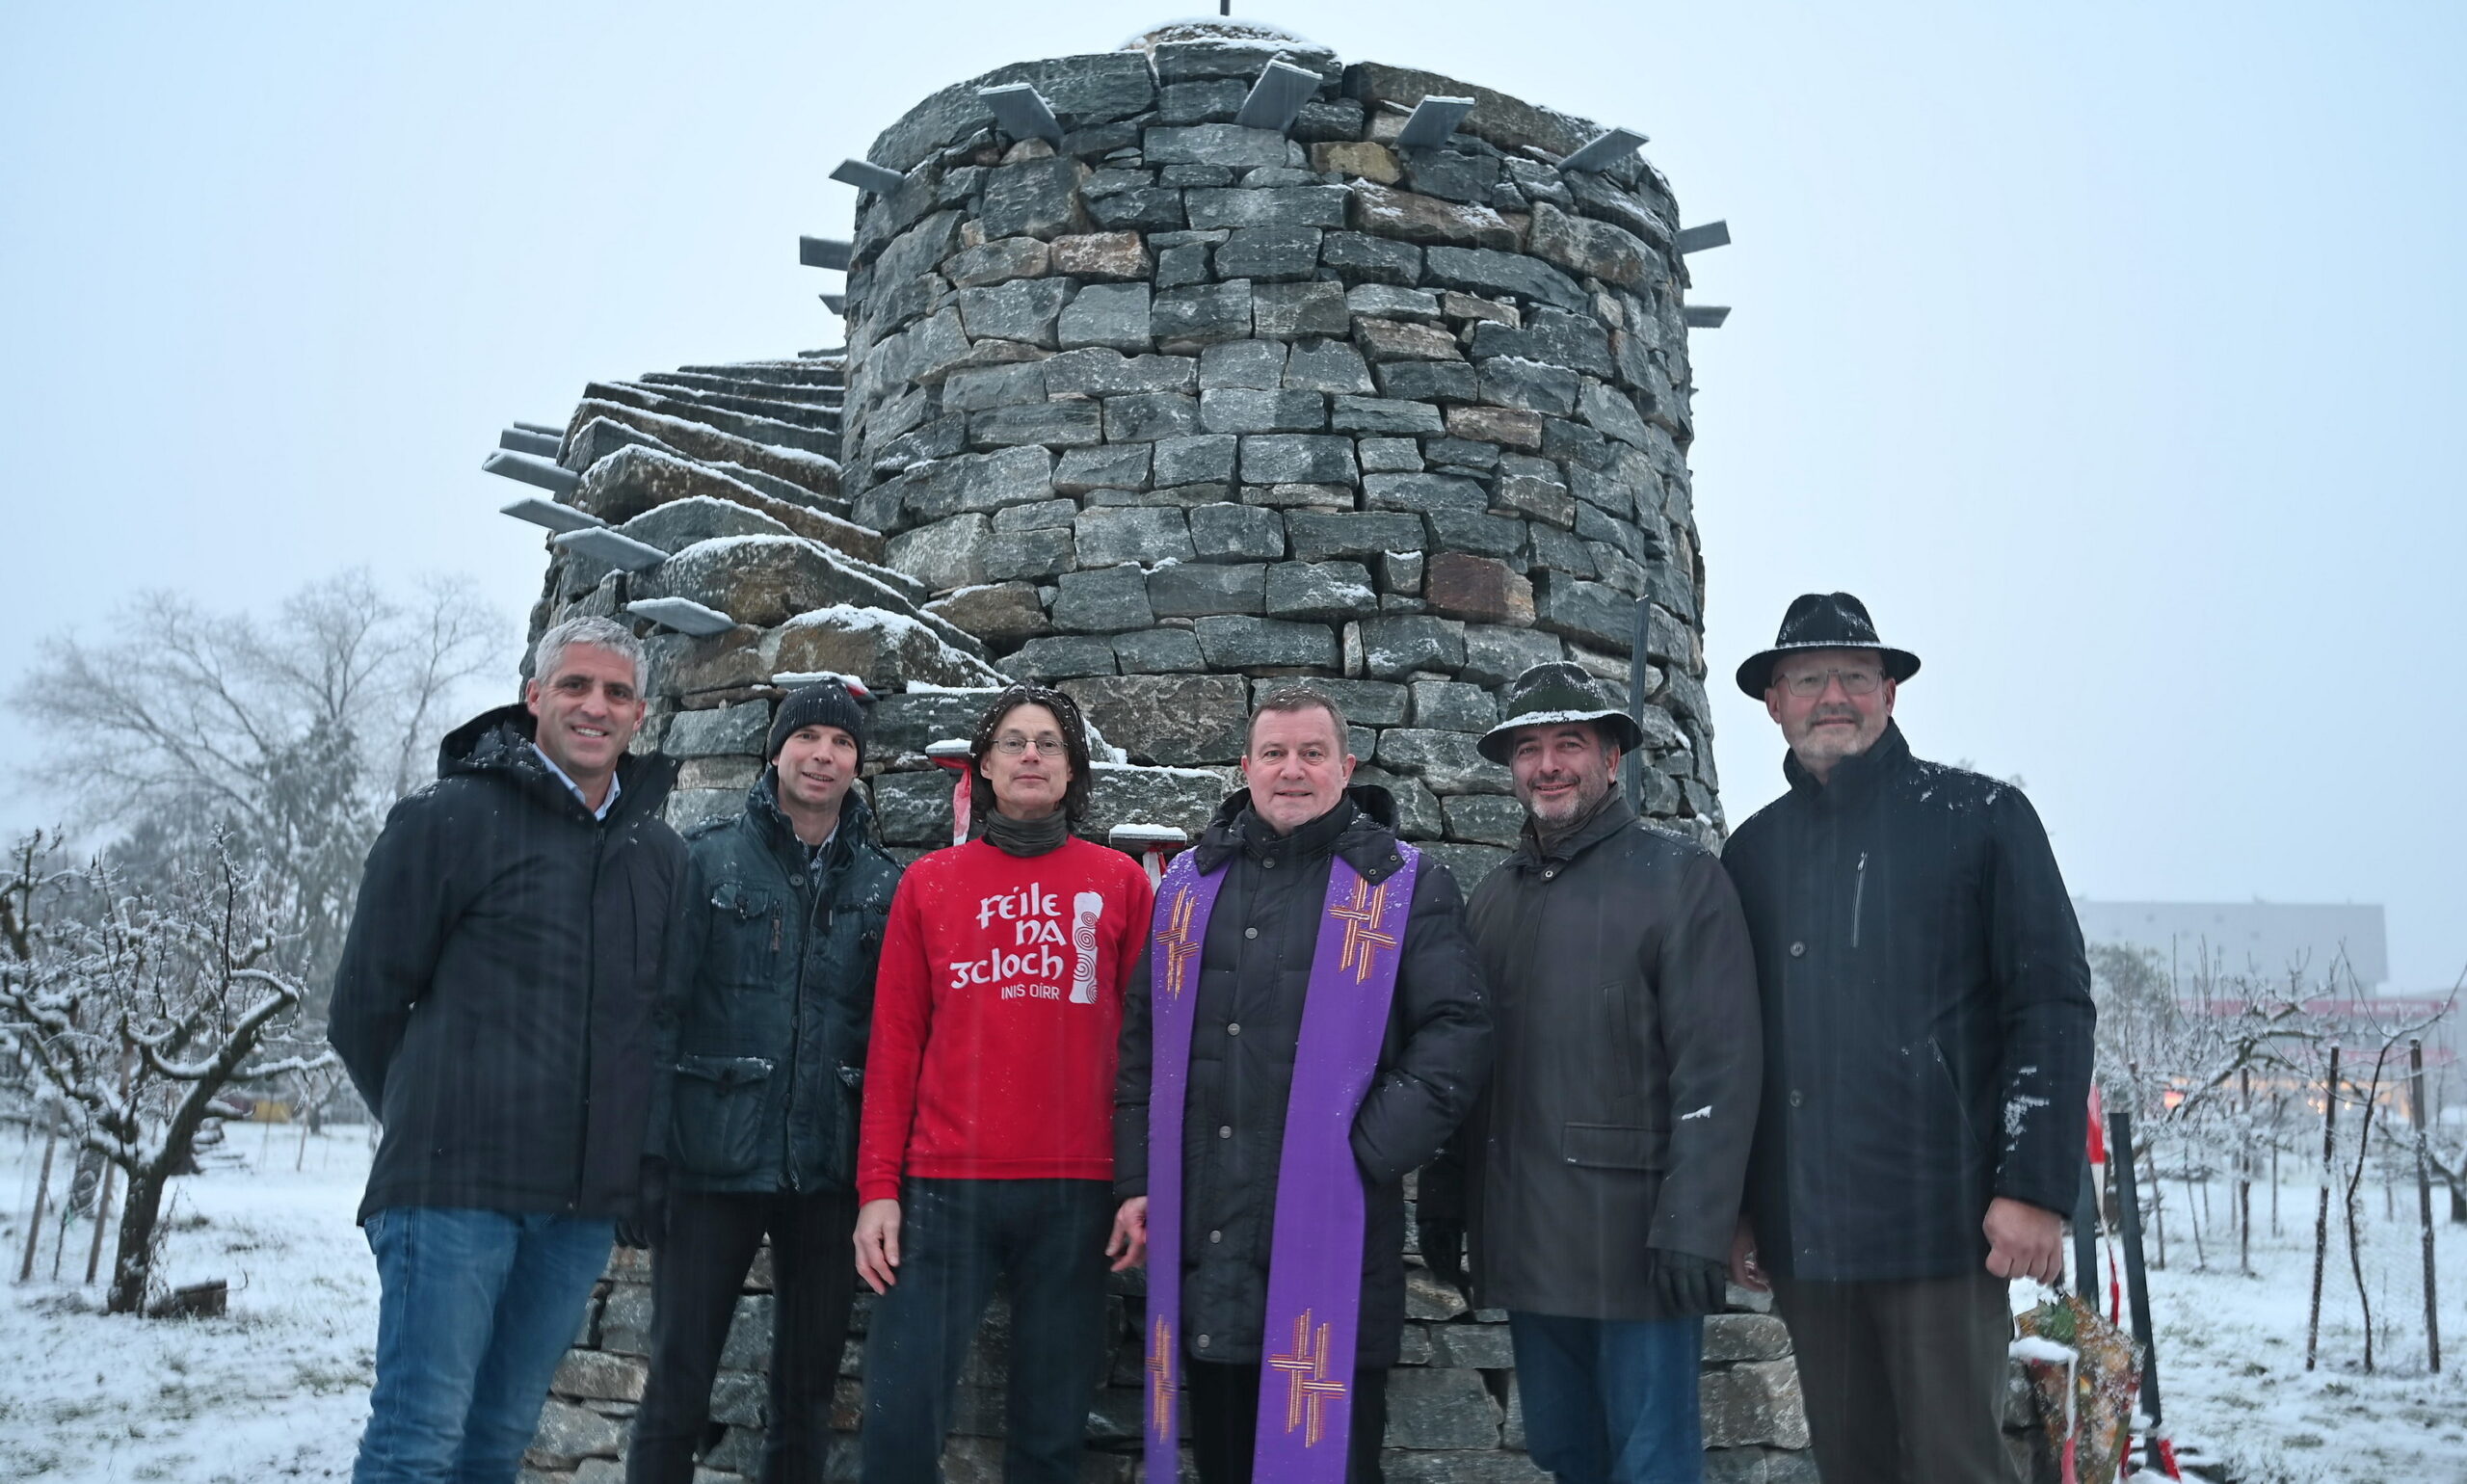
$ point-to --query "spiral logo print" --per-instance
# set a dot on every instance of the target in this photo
(1085, 909)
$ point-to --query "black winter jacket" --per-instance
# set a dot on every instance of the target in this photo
(1624, 1099)
(1927, 1017)
(767, 999)
(1255, 972)
(494, 1001)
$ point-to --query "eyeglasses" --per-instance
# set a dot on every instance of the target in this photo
(1013, 744)
(1808, 683)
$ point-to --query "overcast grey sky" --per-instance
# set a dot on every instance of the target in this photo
(2103, 349)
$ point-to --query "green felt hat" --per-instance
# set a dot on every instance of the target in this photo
(1554, 694)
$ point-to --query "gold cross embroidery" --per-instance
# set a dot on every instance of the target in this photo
(1361, 917)
(1161, 1376)
(1309, 1387)
(1177, 940)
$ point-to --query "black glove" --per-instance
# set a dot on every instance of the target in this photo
(1685, 1283)
(1443, 1250)
(648, 1226)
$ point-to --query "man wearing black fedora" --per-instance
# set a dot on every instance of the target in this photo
(1600, 1172)
(1927, 1028)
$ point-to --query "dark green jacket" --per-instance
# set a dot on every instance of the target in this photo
(766, 1002)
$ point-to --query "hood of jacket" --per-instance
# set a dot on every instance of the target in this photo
(499, 744)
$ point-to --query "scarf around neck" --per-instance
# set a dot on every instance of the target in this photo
(1027, 836)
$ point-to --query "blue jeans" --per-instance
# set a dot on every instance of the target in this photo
(1045, 1240)
(1611, 1401)
(474, 1311)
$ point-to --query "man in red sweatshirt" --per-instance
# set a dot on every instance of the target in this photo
(986, 1146)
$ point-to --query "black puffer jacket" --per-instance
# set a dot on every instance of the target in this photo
(1927, 1017)
(767, 1001)
(495, 998)
(1255, 972)
(1620, 1112)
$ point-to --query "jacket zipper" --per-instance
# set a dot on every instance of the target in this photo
(796, 1040)
(589, 1010)
(815, 874)
(1858, 896)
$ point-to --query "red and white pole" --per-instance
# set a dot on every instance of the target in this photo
(951, 753)
(1153, 844)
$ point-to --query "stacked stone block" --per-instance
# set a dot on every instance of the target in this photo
(1454, 1413)
(1177, 408)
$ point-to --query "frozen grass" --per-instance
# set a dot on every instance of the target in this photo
(2231, 1346)
(278, 1390)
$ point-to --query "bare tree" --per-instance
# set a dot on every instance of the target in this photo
(138, 1008)
(288, 740)
(2184, 1051)
(2446, 1156)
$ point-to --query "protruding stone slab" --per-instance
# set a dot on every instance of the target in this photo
(998, 611)
(884, 649)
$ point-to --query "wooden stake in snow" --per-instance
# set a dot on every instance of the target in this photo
(2159, 1206)
(102, 1219)
(43, 1192)
(2322, 1219)
(2196, 1210)
(2245, 1175)
(2137, 1283)
(2423, 1198)
(2347, 1203)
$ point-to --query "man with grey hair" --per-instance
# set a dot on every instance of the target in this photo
(1926, 1064)
(494, 1008)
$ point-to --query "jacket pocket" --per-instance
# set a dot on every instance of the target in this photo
(1611, 1146)
(717, 1113)
(1619, 1029)
(748, 930)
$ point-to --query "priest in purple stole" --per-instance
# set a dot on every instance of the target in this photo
(1308, 1028)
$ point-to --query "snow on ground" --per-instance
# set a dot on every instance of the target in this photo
(2231, 1347)
(278, 1390)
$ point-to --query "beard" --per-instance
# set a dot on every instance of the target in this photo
(1573, 805)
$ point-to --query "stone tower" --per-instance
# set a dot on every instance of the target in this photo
(1159, 407)
(1180, 371)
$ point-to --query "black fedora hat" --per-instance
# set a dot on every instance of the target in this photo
(1823, 621)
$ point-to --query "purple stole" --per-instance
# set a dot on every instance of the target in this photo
(1314, 1266)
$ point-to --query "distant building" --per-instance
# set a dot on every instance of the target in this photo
(2247, 937)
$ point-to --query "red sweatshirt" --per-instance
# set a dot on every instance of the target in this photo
(995, 1013)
